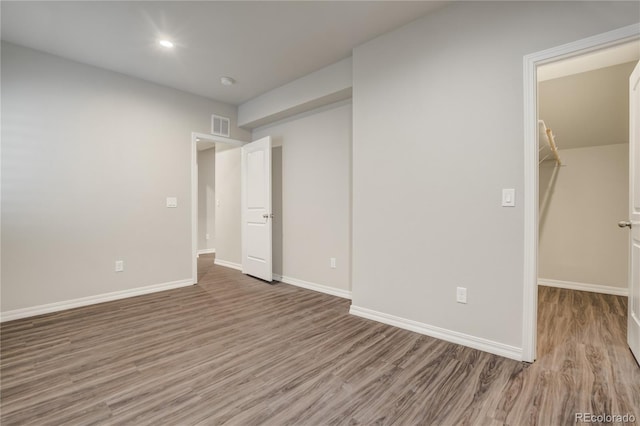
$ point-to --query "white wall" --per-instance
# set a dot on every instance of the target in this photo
(587, 109)
(88, 157)
(581, 203)
(227, 225)
(438, 132)
(323, 87)
(276, 206)
(314, 153)
(206, 199)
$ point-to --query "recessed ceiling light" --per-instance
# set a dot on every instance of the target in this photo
(166, 43)
(227, 81)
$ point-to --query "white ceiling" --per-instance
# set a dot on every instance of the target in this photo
(260, 44)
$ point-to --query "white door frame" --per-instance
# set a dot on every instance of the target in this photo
(531, 62)
(195, 138)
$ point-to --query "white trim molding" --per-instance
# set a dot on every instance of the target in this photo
(206, 251)
(91, 300)
(345, 294)
(594, 288)
(227, 264)
(474, 342)
(530, 265)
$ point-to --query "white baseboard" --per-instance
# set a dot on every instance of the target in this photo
(594, 288)
(479, 343)
(91, 300)
(227, 264)
(206, 251)
(345, 294)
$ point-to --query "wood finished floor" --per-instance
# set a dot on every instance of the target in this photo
(235, 350)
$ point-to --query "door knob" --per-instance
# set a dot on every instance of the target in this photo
(624, 224)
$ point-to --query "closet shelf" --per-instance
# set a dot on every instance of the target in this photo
(547, 144)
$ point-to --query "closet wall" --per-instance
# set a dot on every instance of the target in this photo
(579, 239)
(582, 200)
(206, 200)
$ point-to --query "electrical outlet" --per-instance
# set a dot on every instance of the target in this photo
(461, 295)
(119, 265)
(207, 236)
(332, 262)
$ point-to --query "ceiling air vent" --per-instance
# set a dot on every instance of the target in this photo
(219, 125)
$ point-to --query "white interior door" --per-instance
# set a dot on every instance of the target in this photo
(633, 329)
(256, 209)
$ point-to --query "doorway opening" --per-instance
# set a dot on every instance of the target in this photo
(583, 173)
(206, 164)
(532, 203)
(205, 198)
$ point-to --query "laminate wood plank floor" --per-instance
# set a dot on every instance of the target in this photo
(235, 350)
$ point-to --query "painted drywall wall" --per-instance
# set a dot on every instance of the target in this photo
(323, 87)
(580, 204)
(206, 200)
(438, 132)
(587, 109)
(314, 192)
(88, 158)
(227, 225)
(276, 206)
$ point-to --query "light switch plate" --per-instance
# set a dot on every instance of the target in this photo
(508, 197)
(461, 294)
(172, 202)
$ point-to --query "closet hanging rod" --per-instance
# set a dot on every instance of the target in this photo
(551, 142)
(554, 148)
